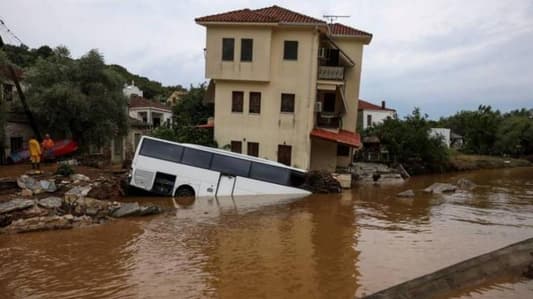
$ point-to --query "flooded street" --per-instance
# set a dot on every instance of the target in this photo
(323, 246)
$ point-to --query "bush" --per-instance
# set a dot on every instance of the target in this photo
(65, 170)
(408, 141)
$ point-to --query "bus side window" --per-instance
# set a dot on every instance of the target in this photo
(196, 158)
(269, 173)
(230, 165)
(161, 150)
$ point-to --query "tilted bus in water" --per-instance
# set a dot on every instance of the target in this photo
(175, 169)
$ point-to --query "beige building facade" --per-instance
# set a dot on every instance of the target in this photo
(285, 85)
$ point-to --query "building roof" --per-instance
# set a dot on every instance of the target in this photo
(343, 137)
(364, 105)
(139, 102)
(272, 14)
(339, 29)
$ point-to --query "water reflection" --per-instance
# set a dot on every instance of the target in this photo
(321, 246)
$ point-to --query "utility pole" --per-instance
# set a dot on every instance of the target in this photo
(14, 77)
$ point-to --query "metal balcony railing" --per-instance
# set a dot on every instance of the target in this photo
(328, 120)
(331, 73)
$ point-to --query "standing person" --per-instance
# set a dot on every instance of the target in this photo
(35, 153)
(47, 145)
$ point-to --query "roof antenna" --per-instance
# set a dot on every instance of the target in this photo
(332, 18)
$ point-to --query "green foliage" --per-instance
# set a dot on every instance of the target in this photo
(65, 170)
(408, 141)
(486, 131)
(80, 99)
(189, 113)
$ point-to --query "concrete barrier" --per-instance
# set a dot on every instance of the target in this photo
(513, 260)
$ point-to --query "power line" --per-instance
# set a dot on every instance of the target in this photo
(10, 33)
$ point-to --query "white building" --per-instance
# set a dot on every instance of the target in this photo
(442, 133)
(150, 112)
(131, 90)
(370, 114)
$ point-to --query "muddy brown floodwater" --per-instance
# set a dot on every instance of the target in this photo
(322, 246)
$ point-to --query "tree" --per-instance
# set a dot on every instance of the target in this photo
(478, 129)
(409, 142)
(80, 99)
(189, 113)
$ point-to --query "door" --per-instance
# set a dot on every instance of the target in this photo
(284, 154)
(226, 183)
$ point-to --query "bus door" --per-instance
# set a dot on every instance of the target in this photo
(226, 184)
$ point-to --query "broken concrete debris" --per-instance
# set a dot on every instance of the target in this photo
(76, 207)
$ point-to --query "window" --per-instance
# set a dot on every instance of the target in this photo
(161, 150)
(8, 92)
(290, 50)
(230, 165)
(253, 149)
(236, 101)
(247, 49)
(269, 173)
(236, 146)
(369, 120)
(287, 102)
(196, 158)
(329, 102)
(255, 102)
(228, 47)
(284, 154)
(156, 122)
(343, 150)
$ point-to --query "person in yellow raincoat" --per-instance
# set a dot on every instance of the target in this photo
(35, 153)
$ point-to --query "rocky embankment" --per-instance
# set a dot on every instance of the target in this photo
(376, 173)
(57, 202)
(441, 188)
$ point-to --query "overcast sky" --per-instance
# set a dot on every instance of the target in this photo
(439, 55)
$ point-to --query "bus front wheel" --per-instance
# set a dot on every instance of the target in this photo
(184, 191)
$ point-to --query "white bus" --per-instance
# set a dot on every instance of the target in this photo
(174, 169)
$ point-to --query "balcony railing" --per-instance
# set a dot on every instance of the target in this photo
(328, 120)
(331, 73)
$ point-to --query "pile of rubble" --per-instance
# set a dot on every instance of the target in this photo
(442, 188)
(77, 200)
(321, 182)
(376, 173)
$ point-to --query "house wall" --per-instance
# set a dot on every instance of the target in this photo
(442, 133)
(16, 130)
(378, 116)
(256, 70)
(323, 155)
(352, 76)
(166, 115)
(271, 127)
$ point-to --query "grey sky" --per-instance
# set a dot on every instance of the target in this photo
(439, 55)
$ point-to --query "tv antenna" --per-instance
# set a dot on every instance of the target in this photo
(332, 18)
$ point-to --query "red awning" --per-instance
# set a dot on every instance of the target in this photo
(206, 126)
(342, 137)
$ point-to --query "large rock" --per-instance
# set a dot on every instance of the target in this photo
(441, 188)
(79, 177)
(51, 202)
(15, 205)
(48, 185)
(27, 182)
(46, 223)
(127, 209)
(77, 192)
(407, 193)
(149, 210)
(92, 207)
(466, 184)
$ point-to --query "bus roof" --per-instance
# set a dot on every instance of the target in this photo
(226, 153)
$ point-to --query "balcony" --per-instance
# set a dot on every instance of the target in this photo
(328, 120)
(331, 73)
